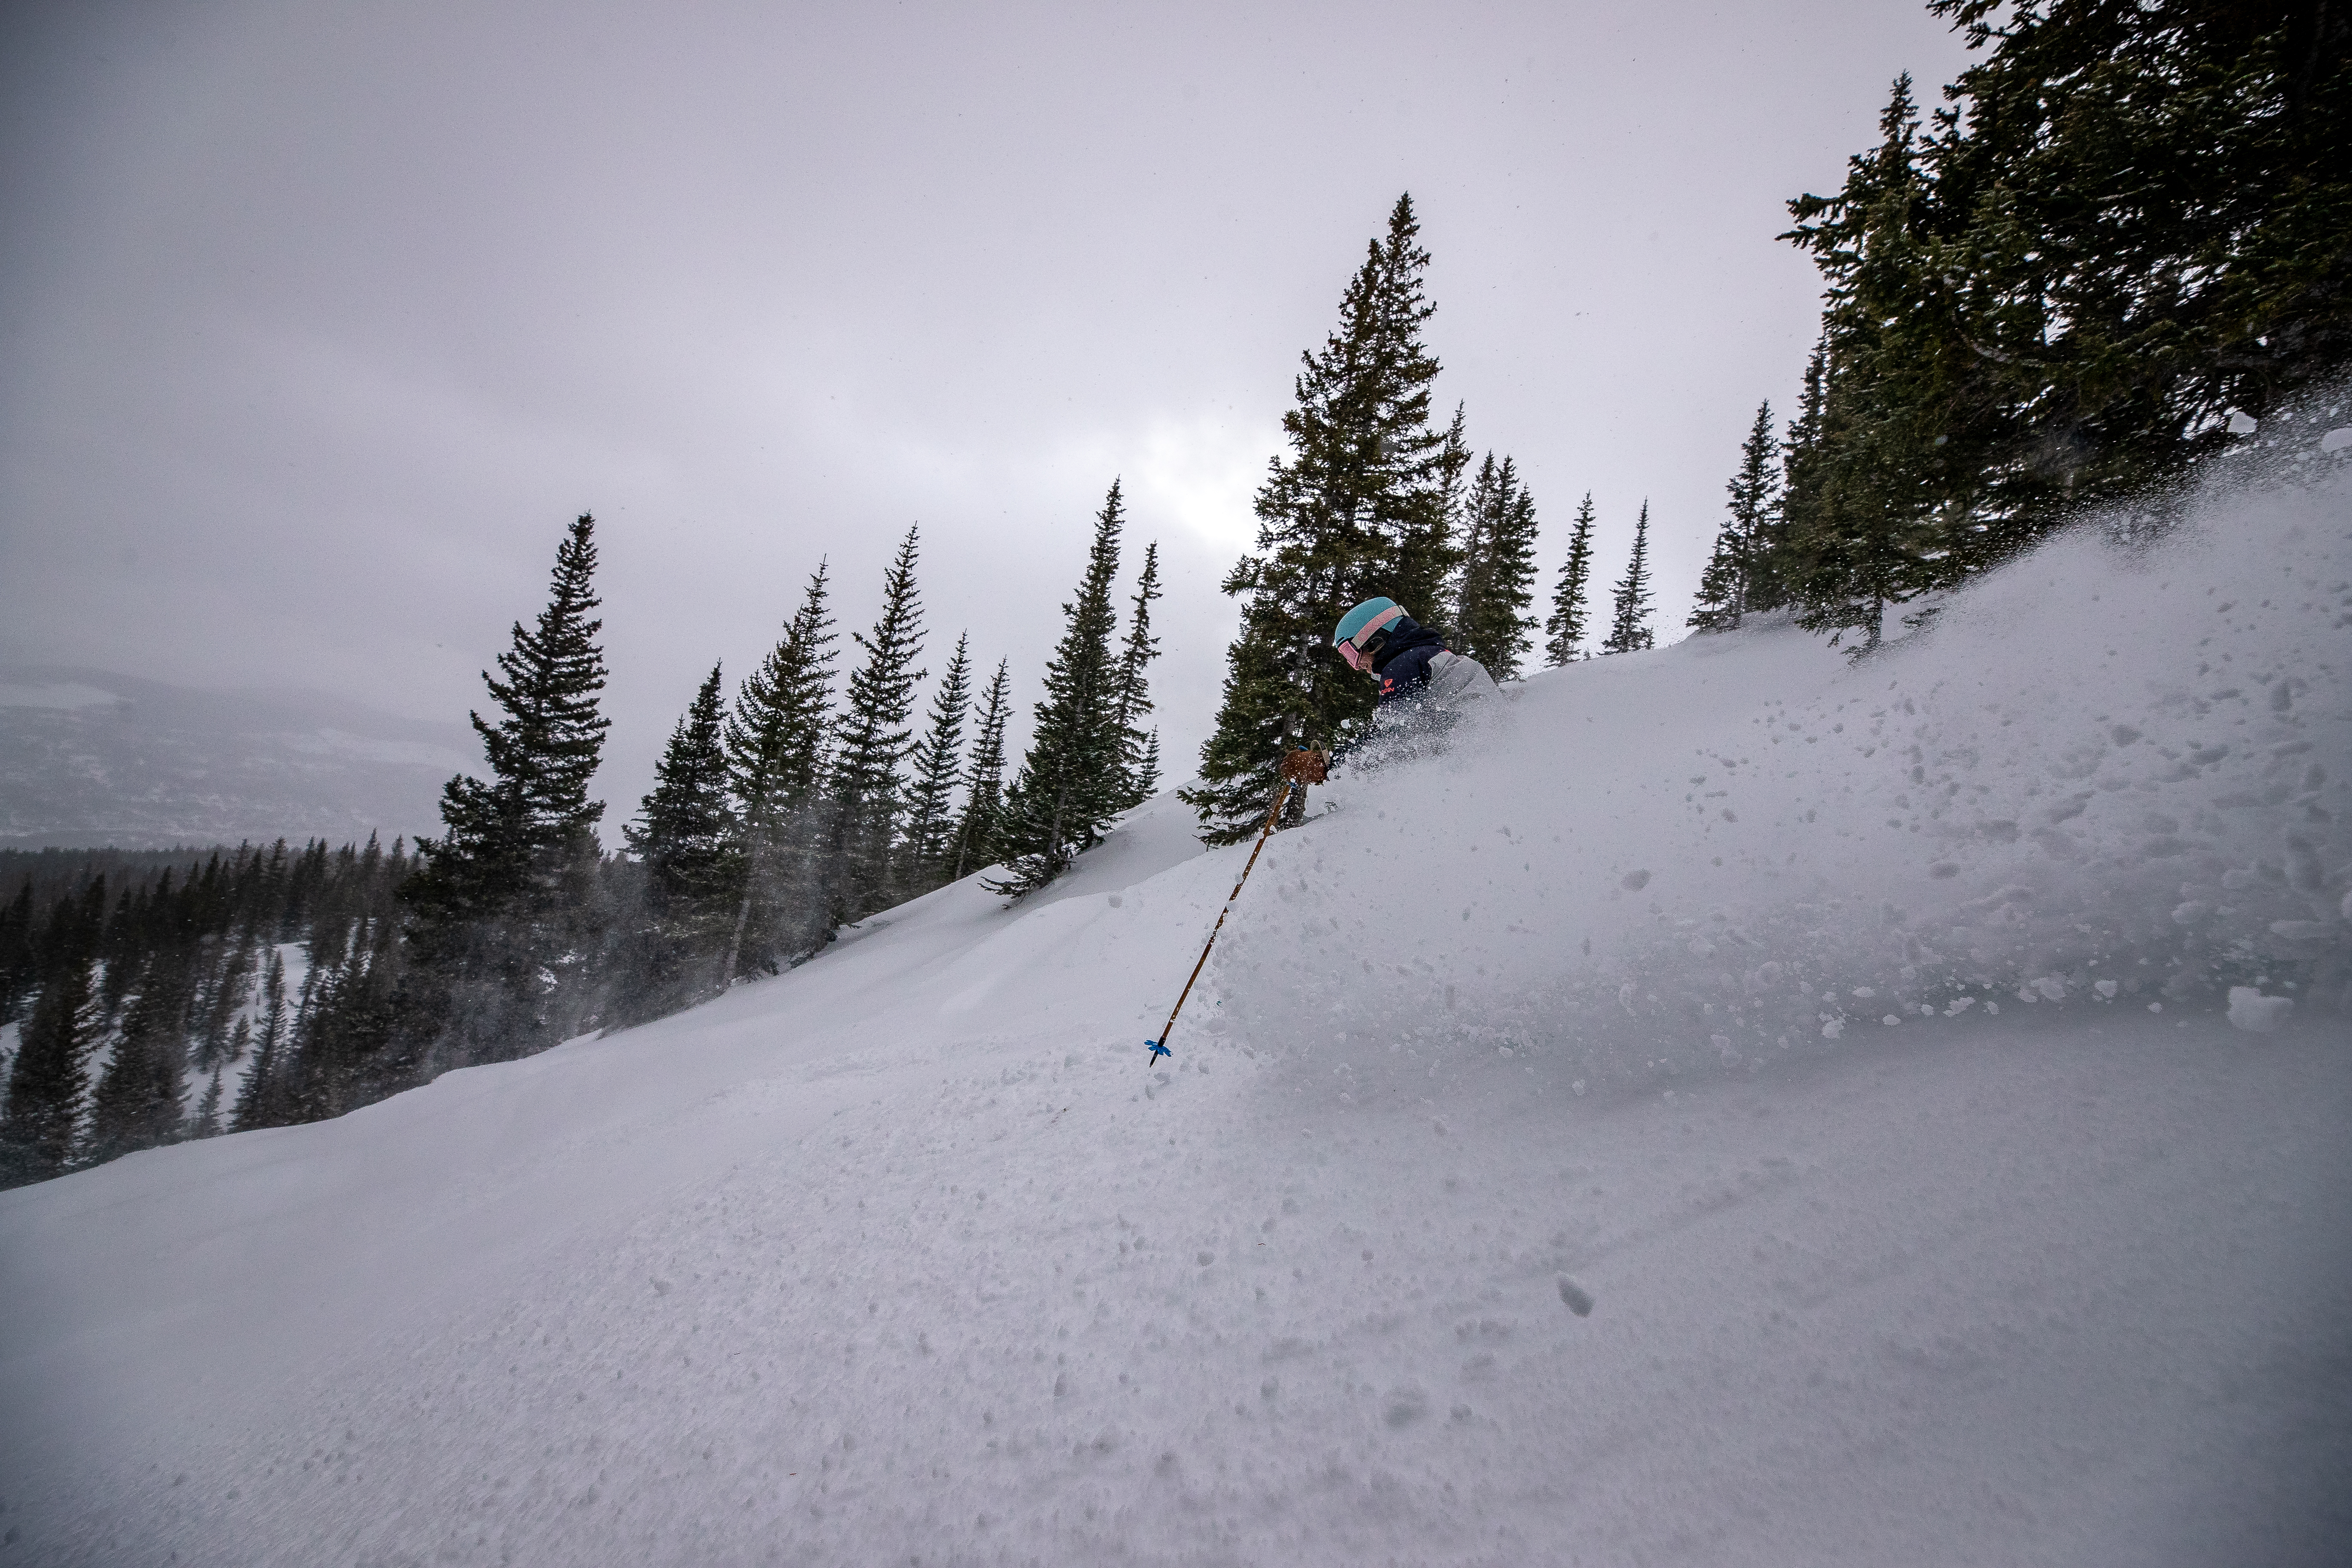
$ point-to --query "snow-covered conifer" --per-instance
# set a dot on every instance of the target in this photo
(979, 829)
(931, 819)
(1139, 773)
(497, 926)
(775, 741)
(1629, 627)
(1743, 547)
(1358, 506)
(47, 1090)
(1564, 631)
(1069, 784)
(259, 1100)
(685, 840)
(1498, 581)
(872, 739)
(137, 1101)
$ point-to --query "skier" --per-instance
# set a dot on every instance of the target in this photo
(1424, 687)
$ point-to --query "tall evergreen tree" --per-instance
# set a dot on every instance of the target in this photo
(47, 1089)
(344, 1051)
(1358, 506)
(872, 740)
(931, 819)
(137, 1104)
(219, 1002)
(1138, 752)
(18, 952)
(684, 838)
(1874, 502)
(208, 1118)
(1144, 771)
(1743, 548)
(980, 830)
(260, 1099)
(776, 762)
(1069, 785)
(1564, 631)
(1461, 523)
(496, 896)
(1629, 625)
(687, 823)
(1498, 570)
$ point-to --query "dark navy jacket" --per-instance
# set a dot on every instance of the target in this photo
(1403, 666)
(1402, 662)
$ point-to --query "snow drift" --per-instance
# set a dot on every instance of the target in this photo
(2104, 778)
(1599, 1144)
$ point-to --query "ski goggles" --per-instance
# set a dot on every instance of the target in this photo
(1357, 650)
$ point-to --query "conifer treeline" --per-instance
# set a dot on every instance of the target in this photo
(170, 1013)
(2124, 243)
(156, 978)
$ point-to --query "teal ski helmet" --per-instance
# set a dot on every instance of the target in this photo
(1358, 628)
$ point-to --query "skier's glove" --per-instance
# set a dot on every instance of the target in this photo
(1306, 767)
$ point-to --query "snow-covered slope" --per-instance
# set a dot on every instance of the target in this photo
(1670, 997)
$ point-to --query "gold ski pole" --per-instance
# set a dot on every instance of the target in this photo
(1160, 1045)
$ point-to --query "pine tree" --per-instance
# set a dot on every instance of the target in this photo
(1874, 506)
(980, 829)
(931, 822)
(129, 931)
(1358, 508)
(137, 1104)
(1460, 524)
(2130, 222)
(872, 740)
(1744, 546)
(19, 952)
(1629, 629)
(208, 1121)
(260, 1100)
(497, 898)
(344, 1051)
(776, 762)
(240, 1041)
(1147, 768)
(219, 1002)
(1498, 581)
(1564, 631)
(542, 752)
(685, 825)
(1139, 753)
(1069, 784)
(684, 838)
(47, 1089)
(1773, 585)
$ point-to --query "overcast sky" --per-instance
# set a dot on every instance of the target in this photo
(318, 324)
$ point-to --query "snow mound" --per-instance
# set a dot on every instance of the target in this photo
(2102, 779)
(2256, 1013)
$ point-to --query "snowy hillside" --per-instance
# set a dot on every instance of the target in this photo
(1740, 1107)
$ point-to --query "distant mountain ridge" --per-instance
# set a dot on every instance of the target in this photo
(89, 757)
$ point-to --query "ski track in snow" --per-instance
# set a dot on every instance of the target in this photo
(905, 1256)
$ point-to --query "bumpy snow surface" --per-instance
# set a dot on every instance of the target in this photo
(1741, 1106)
